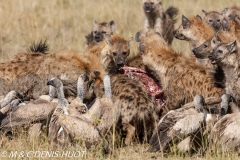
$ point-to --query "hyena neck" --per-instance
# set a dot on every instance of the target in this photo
(231, 71)
(153, 16)
(107, 62)
(205, 62)
(155, 63)
(196, 42)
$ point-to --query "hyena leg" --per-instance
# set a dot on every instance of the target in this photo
(130, 132)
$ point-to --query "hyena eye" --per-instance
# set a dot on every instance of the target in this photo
(104, 32)
(95, 32)
(124, 53)
(214, 41)
(152, 3)
(210, 20)
(220, 51)
(205, 46)
(218, 20)
(114, 53)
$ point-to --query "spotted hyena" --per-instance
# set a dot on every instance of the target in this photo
(180, 81)
(213, 18)
(99, 30)
(29, 72)
(226, 55)
(138, 109)
(159, 20)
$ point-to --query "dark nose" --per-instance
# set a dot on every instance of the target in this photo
(85, 77)
(120, 64)
(175, 32)
(210, 56)
(194, 50)
(147, 5)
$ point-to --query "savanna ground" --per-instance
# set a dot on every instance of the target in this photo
(64, 23)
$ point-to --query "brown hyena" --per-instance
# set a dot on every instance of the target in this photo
(180, 82)
(194, 30)
(231, 13)
(99, 30)
(226, 55)
(159, 20)
(213, 18)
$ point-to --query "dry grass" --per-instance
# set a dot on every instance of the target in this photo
(64, 23)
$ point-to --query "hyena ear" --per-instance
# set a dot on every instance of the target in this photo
(225, 24)
(185, 22)
(137, 36)
(130, 40)
(159, 34)
(95, 24)
(159, 2)
(199, 17)
(215, 40)
(233, 46)
(112, 25)
(205, 13)
(224, 11)
(107, 37)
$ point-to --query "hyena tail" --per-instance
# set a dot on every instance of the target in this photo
(41, 47)
(172, 12)
(89, 38)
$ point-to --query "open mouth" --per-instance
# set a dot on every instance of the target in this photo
(214, 62)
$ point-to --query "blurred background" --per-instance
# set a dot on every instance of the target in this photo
(64, 23)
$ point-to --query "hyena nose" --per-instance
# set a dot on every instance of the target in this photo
(175, 32)
(210, 56)
(194, 50)
(120, 64)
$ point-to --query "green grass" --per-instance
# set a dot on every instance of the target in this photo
(64, 23)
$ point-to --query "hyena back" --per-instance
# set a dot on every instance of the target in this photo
(158, 20)
(99, 30)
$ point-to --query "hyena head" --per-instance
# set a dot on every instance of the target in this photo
(207, 47)
(224, 54)
(100, 29)
(194, 30)
(93, 87)
(213, 18)
(118, 49)
(150, 6)
(203, 50)
(231, 13)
